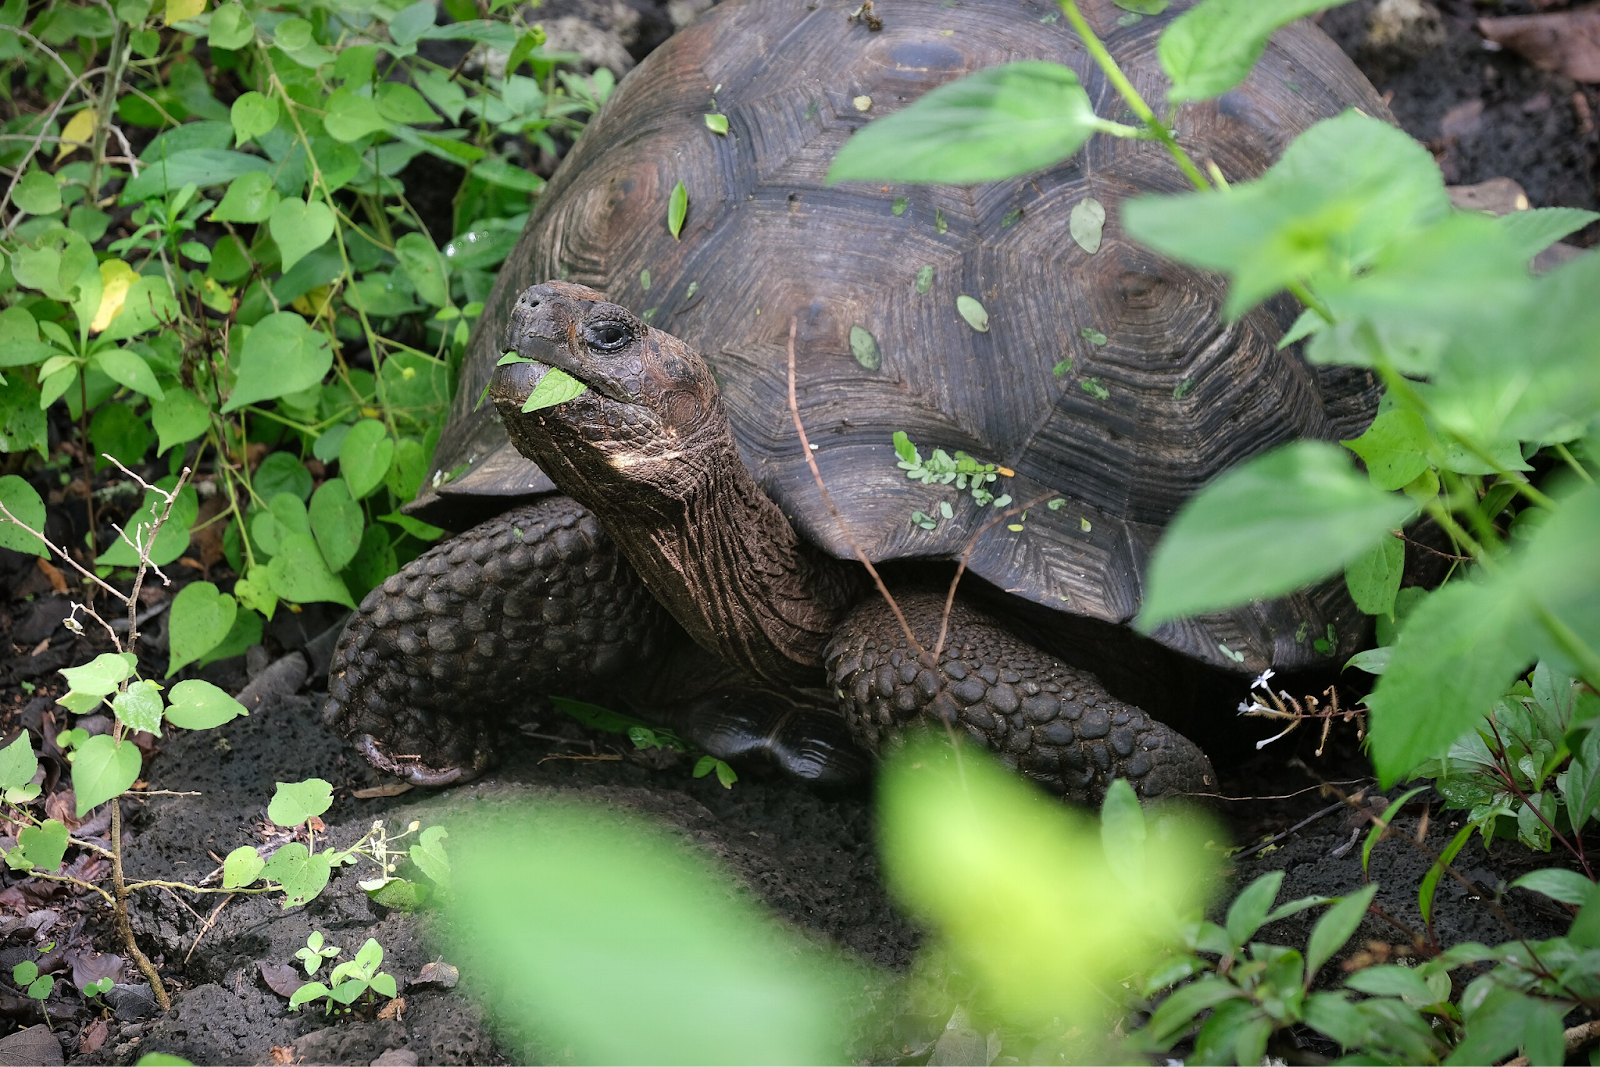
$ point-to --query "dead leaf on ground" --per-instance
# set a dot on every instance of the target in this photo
(1463, 120)
(58, 581)
(94, 1035)
(282, 1054)
(395, 1010)
(282, 978)
(387, 789)
(1567, 42)
(63, 807)
(92, 966)
(438, 973)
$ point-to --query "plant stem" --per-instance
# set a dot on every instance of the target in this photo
(1309, 299)
(115, 64)
(1567, 457)
(119, 906)
(1120, 81)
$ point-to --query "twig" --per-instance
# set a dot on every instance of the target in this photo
(1297, 827)
(206, 927)
(58, 550)
(827, 498)
(966, 555)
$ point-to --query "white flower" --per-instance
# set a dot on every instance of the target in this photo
(1262, 679)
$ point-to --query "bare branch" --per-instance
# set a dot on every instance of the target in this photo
(58, 550)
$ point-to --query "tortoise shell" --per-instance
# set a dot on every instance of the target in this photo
(1109, 379)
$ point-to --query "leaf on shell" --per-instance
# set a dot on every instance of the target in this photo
(1087, 223)
(677, 209)
(864, 347)
(975, 314)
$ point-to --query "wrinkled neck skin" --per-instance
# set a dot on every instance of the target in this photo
(712, 547)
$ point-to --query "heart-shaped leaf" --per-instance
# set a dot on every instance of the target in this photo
(282, 355)
(295, 802)
(102, 768)
(336, 522)
(364, 457)
(201, 617)
(241, 867)
(18, 764)
(138, 707)
(44, 845)
(300, 228)
(196, 704)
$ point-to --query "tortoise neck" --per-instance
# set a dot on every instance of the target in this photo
(720, 556)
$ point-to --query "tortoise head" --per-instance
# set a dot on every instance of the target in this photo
(649, 400)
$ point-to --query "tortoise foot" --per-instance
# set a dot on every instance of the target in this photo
(534, 601)
(1055, 723)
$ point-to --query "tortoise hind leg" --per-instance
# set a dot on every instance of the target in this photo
(533, 601)
(1054, 722)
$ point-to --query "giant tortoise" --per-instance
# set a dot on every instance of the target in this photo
(660, 542)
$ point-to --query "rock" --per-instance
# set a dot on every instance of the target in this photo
(396, 1057)
(132, 1002)
(1405, 28)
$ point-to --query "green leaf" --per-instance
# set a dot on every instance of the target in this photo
(556, 387)
(1383, 822)
(708, 979)
(1568, 887)
(1536, 230)
(717, 123)
(301, 873)
(18, 764)
(102, 769)
(1373, 578)
(203, 167)
(1227, 546)
(677, 209)
(178, 417)
(300, 574)
(300, 227)
(398, 893)
(201, 617)
(231, 27)
(398, 102)
(1430, 881)
(410, 23)
(149, 304)
(128, 368)
(282, 472)
(1123, 833)
(972, 850)
(1336, 926)
(336, 522)
(138, 707)
(295, 802)
(924, 278)
(364, 457)
(307, 993)
(997, 123)
(420, 260)
(1249, 909)
(1343, 191)
(430, 857)
(1087, 224)
(1143, 7)
(19, 339)
(864, 347)
(100, 676)
(22, 420)
(253, 115)
(1211, 48)
(250, 198)
(1394, 449)
(241, 867)
(973, 312)
(26, 508)
(196, 704)
(37, 193)
(406, 472)
(282, 355)
(1393, 981)
(43, 845)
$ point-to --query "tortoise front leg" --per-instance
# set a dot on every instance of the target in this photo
(1056, 723)
(531, 602)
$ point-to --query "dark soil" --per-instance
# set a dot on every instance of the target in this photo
(811, 858)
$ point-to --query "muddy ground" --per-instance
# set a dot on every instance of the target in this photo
(810, 858)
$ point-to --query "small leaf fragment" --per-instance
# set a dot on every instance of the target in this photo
(556, 387)
(973, 312)
(1087, 224)
(864, 347)
(677, 209)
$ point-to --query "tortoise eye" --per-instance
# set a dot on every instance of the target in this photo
(607, 336)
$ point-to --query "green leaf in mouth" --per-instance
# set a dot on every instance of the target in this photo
(556, 387)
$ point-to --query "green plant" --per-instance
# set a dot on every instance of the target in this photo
(257, 273)
(348, 981)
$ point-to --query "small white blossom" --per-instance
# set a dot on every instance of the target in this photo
(1262, 679)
